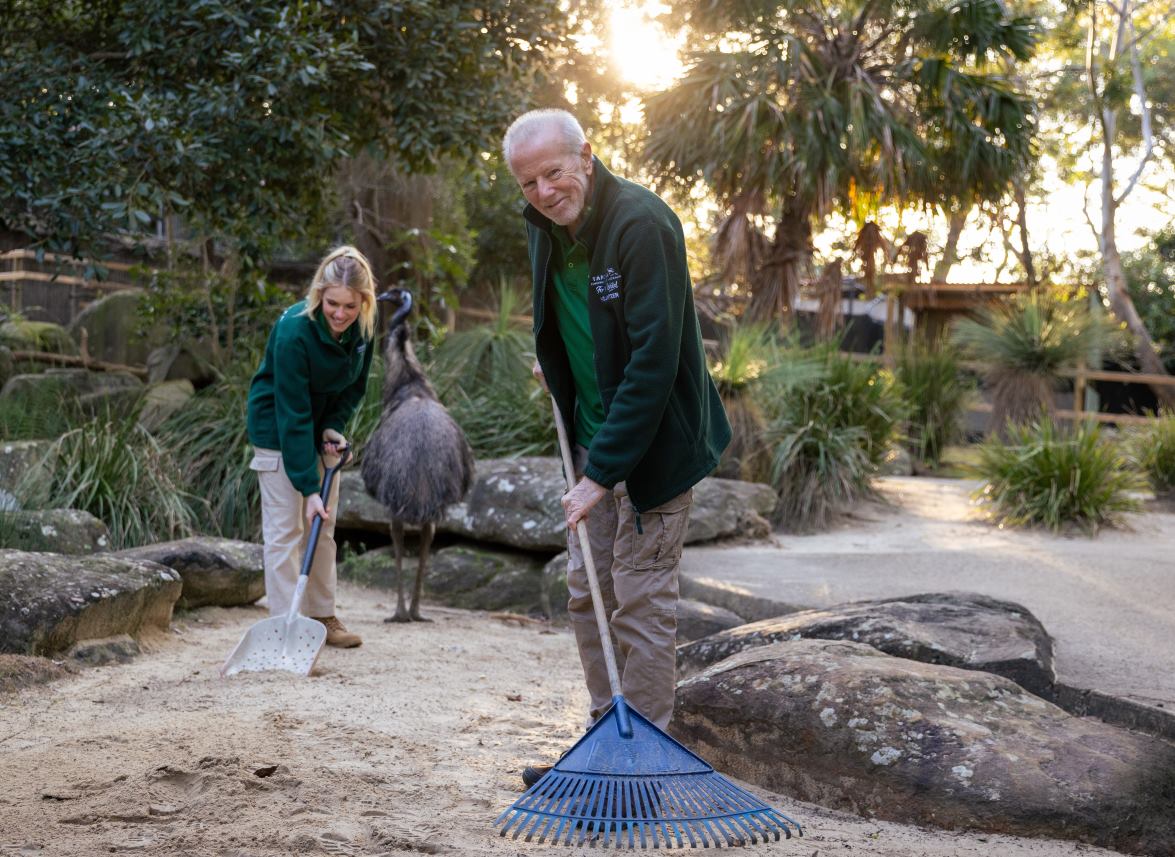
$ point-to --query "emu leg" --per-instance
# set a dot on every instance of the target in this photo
(401, 614)
(426, 533)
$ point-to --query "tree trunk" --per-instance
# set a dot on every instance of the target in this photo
(950, 251)
(776, 284)
(1022, 224)
(1119, 297)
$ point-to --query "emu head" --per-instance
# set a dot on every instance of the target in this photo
(401, 368)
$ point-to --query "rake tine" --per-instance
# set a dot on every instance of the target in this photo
(630, 788)
(743, 807)
(690, 814)
(763, 810)
(683, 812)
(654, 795)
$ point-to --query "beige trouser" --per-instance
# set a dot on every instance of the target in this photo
(283, 526)
(638, 581)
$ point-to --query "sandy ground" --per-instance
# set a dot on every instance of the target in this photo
(411, 744)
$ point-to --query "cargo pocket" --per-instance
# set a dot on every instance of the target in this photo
(265, 460)
(659, 546)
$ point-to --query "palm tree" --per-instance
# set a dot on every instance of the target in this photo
(794, 107)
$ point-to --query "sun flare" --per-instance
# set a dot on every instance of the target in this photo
(644, 53)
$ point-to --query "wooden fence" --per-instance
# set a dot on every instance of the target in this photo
(54, 288)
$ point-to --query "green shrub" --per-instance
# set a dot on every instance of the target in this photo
(1053, 477)
(1152, 449)
(936, 394)
(827, 435)
(121, 475)
(40, 412)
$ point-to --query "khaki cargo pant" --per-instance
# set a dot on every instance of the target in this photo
(638, 581)
(283, 526)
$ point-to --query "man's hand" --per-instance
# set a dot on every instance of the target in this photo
(315, 507)
(580, 499)
(537, 371)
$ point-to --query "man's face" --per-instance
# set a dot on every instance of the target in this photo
(553, 180)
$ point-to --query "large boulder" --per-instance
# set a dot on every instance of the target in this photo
(18, 457)
(162, 400)
(22, 335)
(73, 532)
(958, 629)
(554, 587)
(473, 578)
(49, 602)
(725, 508)
(515, 502)
(220, 572)
(112, 333)
(191, 361)
(696, 620)
(843, 725)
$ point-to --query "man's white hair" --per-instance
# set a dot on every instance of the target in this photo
(537, 121)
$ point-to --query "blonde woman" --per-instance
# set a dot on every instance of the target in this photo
(309, 383)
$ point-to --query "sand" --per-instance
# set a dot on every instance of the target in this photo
(411, 744)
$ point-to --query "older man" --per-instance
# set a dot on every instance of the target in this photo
(619, 348)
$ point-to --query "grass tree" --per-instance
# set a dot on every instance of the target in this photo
(790, 109)
(1025, 342)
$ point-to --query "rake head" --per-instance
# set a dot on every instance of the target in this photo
(641, 791)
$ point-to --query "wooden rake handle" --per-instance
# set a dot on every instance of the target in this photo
(585, 547)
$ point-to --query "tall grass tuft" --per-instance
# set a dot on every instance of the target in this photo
(936, 394)
(483, 376)
(748, 352)
(1026, 341)
(827, 435)
(38, 413)
(119, 473)
(1151, 449)
(1043, 475)
(209, 440)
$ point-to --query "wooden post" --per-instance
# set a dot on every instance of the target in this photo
(1079, 390)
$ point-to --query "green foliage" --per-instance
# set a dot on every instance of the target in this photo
(233, 114)
(1151, 448)
(39, 413)
(1053, 477)
(121, 475)
(483, 375)
(209, 438)
(827, 436)
(936, 393)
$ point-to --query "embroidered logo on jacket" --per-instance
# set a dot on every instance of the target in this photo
(607, 285)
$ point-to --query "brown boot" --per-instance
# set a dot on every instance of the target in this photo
(337, 633)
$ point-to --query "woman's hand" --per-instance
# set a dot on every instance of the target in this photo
(315, 508)
(332, 442)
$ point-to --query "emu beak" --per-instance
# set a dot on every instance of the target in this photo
(387, 296)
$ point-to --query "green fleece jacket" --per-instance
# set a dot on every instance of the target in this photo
(307, 382)
(664, 425)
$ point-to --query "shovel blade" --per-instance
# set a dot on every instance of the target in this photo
(278, 643)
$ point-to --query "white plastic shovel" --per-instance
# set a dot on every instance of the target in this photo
(291, 642)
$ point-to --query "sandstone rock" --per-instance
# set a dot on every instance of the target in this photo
(725, 508)
(48, 602)
(696, 620)
(112, 330)
(474, 578)
(846, 726)
(113, 650)
(21, 335)
(515, 502)
(959, 629)
(190, 361)
(554, 587)
(162, 400)
(65, 531)
(736, 599)
(221, 572)
(17, 457)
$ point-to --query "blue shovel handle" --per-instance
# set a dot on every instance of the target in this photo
(327, 478)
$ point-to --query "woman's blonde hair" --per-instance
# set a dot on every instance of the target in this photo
(345, 266)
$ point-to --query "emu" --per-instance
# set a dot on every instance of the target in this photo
(417, 461)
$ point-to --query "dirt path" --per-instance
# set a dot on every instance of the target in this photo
(411, 744)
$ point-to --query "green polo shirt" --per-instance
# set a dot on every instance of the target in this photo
(571, 274)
